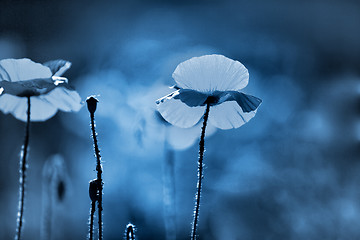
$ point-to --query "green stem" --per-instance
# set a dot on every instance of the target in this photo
(200, 172)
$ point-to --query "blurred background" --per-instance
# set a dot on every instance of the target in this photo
(292, 172)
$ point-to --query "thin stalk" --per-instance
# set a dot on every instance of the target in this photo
(23, 173)
(92, 213)
(200, 173)
(99, 173)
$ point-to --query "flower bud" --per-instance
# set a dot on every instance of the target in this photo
(93, 190)
(91, 104)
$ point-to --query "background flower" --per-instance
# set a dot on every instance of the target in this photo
(42, 82)
(152, 127)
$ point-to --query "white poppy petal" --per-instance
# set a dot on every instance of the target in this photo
(42, 107)
(41, 110)
(229, 115)
(14, 70)
(178, 113)
(180, 138)
(63, 99)
(247, 102)
(211, 73)
(17, 106)
(14, 105)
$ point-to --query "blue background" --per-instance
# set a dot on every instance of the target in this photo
(292, 172)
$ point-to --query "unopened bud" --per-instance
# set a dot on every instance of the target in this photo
(93, 190)
(130, 232)
(91, 104)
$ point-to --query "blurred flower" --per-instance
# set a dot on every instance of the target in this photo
(213, 79)
(150, 124)
(22, 78)
(55, 188)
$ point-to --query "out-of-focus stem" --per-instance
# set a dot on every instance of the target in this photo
(169, 193)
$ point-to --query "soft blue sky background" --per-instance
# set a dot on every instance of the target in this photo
(292, 172)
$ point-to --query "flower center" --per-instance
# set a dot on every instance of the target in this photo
(212, 100)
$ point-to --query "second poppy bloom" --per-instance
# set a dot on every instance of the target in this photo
(49, 92)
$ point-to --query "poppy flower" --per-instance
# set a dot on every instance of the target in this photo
(49, 92)
(24, 83)
(211, 79)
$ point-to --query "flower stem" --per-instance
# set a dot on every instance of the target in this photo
(92, 213)
(23, 173)
(99, 173)
(200, 172)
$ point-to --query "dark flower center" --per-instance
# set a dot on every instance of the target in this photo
(212, 100)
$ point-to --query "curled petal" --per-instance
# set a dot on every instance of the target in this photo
(191, 98)
(59, 80)
(178, 113)
(229, 115)
(58, 67)
(211, 73)
(167, 97)
(247, 102)
(33, 87)
(14, 70)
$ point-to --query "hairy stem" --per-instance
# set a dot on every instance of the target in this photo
(99, 173)
(200, 173)
(23, 173)
(92, 213)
